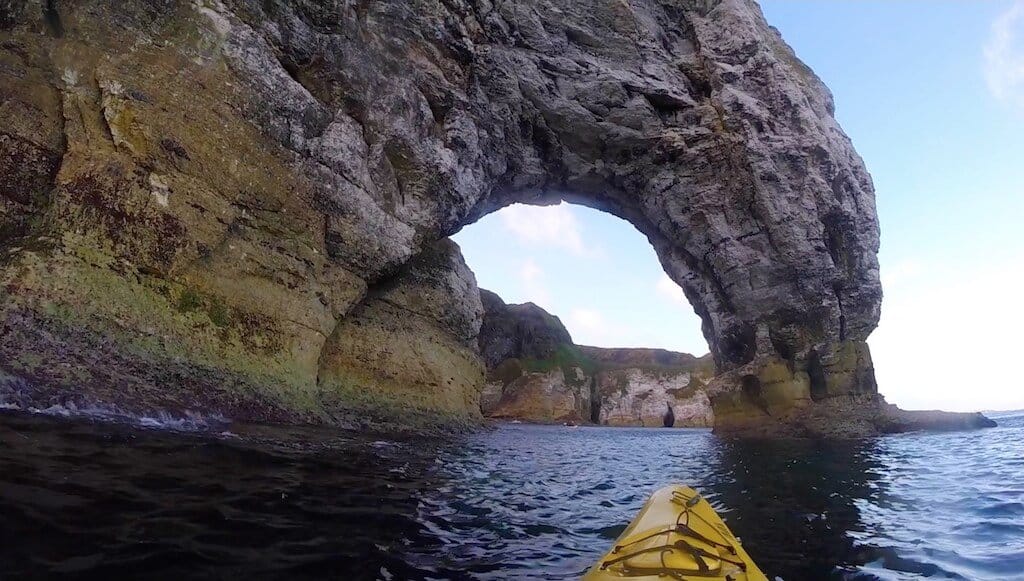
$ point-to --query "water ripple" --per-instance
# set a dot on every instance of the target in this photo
(102, 499)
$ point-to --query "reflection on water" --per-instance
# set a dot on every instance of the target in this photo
(794, 502)
(517, 502)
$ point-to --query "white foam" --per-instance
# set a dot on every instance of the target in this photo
(189, 421)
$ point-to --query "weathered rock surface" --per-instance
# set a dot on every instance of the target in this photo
(584, 391)
(638, 396)
(906, 420)
(545, 377)
(198, 198)
(636, 386)
(523, 331)
(413, 339)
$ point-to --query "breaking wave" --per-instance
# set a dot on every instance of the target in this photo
(188, 421)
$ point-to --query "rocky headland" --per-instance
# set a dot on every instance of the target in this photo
(536, 373)
(243, 207)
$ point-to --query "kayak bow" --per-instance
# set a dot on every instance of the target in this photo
(676, 535)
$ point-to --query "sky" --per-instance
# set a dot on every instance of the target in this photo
(932, 95)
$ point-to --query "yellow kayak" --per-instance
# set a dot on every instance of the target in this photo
(677, 535)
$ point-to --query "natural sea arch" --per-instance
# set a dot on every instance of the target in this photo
(250, 201)
(770, 370)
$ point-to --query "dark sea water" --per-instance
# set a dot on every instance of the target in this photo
(88, 499)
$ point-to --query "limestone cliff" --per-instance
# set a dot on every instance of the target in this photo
(210, 203)
(637, 386)
(544, 377)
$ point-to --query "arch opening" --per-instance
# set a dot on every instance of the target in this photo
(592, 269)
(581, 323)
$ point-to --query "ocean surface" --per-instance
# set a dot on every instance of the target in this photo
(196, 499)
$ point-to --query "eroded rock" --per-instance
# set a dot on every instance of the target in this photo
(545, 377)
(409, 349)
(219, 184)
(523, 331)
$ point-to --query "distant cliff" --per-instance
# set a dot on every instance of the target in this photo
(536, 373)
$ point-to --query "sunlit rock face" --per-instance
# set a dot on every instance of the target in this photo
(542, 376)
(196, 198)
(637, 396)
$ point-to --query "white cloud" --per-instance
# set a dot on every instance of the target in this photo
(588, 321)
(534, 287)
(667, 288)
(590, 327)
(550, 226)
(1004, 56)
(900, 274)
(949, 337)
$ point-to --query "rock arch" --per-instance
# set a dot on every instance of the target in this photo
(220, 194)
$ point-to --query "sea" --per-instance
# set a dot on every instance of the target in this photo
(87, 496)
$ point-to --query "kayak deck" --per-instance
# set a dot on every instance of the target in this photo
(676, 535)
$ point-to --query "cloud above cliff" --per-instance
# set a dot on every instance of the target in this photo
(534, 286)
(1004, 56)
(588, 321)
(589, 326)
(548, 226)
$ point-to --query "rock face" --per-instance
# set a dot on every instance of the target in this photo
(203, 203)
(414, 340)
(636, 386)
(518, 331)
(641, 396)
(906, 420)
(545, 377)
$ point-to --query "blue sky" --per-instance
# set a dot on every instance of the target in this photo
(932, 94)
